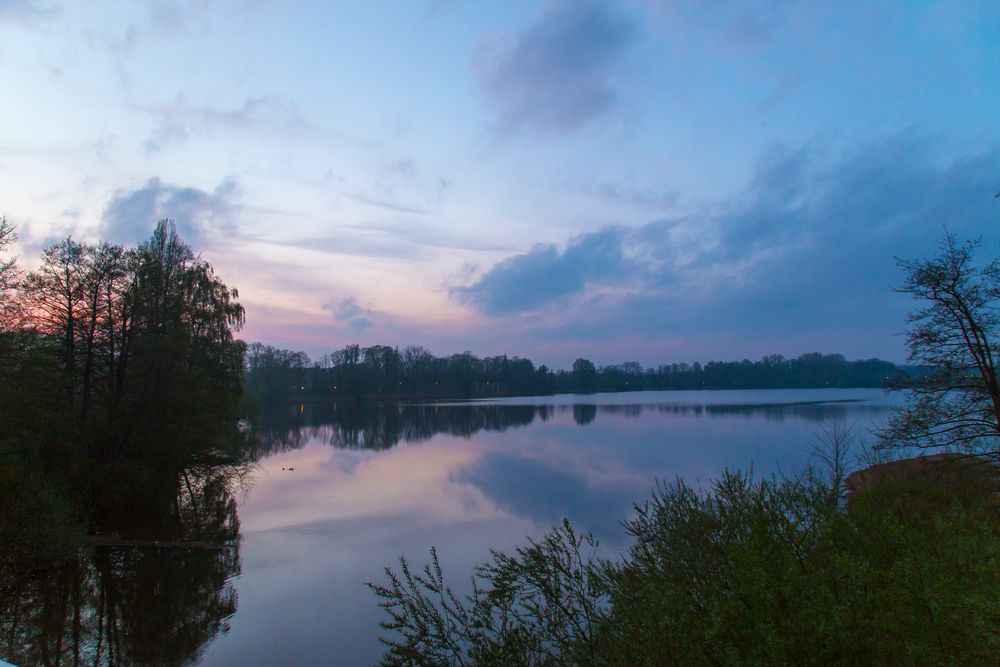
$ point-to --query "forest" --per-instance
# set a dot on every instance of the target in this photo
(385, 372)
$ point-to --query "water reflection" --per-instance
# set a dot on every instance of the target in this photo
(154, 589)
(381, 426)
(584, 414)
(588, 458)
(341, 492)
(534, 488)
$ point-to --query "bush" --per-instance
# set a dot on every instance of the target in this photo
(770, 571)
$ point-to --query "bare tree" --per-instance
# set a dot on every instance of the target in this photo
(104, 267)
(56, 292)
(10, 276)
(833, 451)
(956, 332)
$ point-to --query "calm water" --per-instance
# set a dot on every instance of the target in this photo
(466, 476)
(341, 491)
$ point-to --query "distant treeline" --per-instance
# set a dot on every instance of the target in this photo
(381, 371)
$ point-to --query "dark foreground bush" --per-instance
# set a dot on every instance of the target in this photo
(749, 572)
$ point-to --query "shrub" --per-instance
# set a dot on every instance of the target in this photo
(768, 571)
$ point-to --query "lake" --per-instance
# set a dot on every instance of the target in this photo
(467, 476)
(341, 490)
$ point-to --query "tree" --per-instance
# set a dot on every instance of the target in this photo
(104, 268)
(56, 295)
(180, 364)
(584, 375)
(9, 275)
(955, 331)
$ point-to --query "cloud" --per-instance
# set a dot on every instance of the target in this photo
(265, 110)
(360, 324)
(546, 494)
(405, 238)
(347, 309)
(623, 194)
(161, 20)
(559, 73)
(545, 273)
(352, 314)
(402, 168)
(389, 179)
(176, 123)
(131, 214)
(739, 25)
(26, 11)
(806, 250)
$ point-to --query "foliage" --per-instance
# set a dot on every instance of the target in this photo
(142, 340)
(9, 277)
(955, 331)
(119, 382)
(380, 371)
(540, 606)
(770, 571)
(904, 569)
(584, 374)
(119, 373)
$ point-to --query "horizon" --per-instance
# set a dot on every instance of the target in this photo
(315, 359)
(651, 181)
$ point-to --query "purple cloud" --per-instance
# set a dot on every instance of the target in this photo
(559, 75)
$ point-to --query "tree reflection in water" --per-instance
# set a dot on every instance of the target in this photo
(154, 586)
(152, 589)
(380, 426)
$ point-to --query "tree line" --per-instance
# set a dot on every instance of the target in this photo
(381, 371)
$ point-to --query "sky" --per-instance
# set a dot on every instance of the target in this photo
(652, 180)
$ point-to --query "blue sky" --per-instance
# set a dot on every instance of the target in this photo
(655, 180)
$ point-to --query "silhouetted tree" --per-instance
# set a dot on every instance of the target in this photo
(9, 276)
(55, 292)
(584, 374)
(956, 331)
(126, 363)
